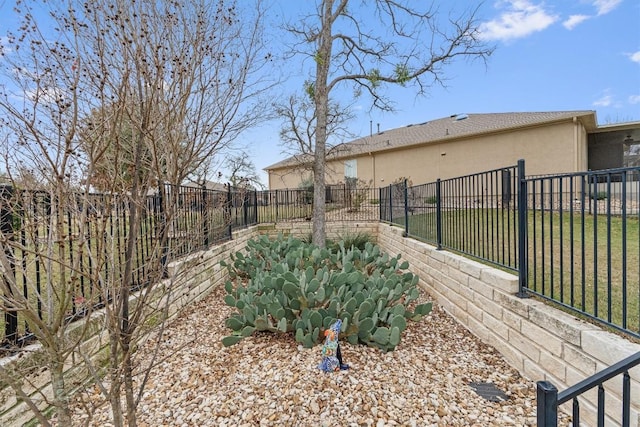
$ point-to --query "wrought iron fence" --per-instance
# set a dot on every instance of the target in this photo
(474, 214)
(571, 238)
(342, 202)
(548, 398)
(83, 238)
(583, 245)
(191, 219)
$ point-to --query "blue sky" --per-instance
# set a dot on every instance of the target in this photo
(550, 56)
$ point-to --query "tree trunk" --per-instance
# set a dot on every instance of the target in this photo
(321, 94)
(128, 387)
(115, 387)
(60, 396)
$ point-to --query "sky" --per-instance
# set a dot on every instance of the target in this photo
(550, 55)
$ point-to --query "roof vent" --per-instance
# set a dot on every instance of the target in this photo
(461, 117)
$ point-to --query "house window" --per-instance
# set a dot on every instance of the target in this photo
(631, 155)
(351, 172)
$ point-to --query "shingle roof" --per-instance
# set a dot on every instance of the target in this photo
(447, 128)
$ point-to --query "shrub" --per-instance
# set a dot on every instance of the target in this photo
(307, 186)
(349, 240)
(298, 288)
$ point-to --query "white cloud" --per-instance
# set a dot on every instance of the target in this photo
(604, 101)
(634, 99)
(574, 20)
(520, 20)
(606, 6)
(635, 57)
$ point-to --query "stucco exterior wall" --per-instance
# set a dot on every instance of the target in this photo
(287, 178)
(546, 149)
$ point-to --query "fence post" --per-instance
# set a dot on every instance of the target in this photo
(380, 203)
(522, 231)
(390, 204)
(439, 213)
(245, 207)
(406, 209)
(229, 201)
(276, 218)
(547, 404)
(163, 233)
(255, 207)
(205, 215)
(6, 225)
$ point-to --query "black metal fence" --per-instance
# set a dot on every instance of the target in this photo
(343, 203)
(474, 214)
(584, 246)
(548, 398)
(83, 239)
(571, 238)
(95, 228)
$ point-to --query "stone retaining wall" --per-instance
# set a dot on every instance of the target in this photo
(538, 340)
(335, 229)
(190, 279)
(541, 342)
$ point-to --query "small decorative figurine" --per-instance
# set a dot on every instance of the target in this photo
(331, 356)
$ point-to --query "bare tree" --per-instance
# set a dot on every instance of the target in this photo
(140, 94)
(242, 171)
(354, 52)
(298, 132)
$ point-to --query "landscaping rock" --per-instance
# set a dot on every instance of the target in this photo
(269, 380)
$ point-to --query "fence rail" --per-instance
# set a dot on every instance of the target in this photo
(583, 244)
(572, 238)
(548, 398)
(96, 226)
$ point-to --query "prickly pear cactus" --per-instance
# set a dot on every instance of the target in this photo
(287, 286)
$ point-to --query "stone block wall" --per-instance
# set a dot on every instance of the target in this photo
(335, 229)
(191, 279)
(541, 342)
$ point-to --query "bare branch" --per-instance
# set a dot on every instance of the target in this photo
(405, 44)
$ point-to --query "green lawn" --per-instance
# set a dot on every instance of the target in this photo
(584, 262)
(588, 263)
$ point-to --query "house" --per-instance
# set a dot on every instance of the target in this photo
(461, 144)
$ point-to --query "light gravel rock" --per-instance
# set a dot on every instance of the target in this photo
(269, 380)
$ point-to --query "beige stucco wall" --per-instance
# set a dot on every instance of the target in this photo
(549, 149)
(287, 178)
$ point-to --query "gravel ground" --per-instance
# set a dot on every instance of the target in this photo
(269, 380)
